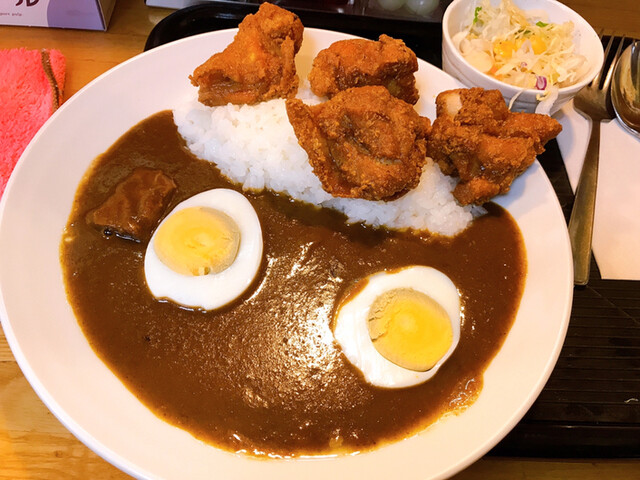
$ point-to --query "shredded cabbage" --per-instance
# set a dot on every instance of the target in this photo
(521, 48)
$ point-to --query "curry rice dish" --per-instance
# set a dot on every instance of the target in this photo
(270, 323)
(264, 375)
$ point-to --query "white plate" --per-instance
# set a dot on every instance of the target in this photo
(91, 402)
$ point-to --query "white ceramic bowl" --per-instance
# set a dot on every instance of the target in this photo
(457, 17)
(94, 404)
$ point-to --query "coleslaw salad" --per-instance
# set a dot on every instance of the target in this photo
(522, 48)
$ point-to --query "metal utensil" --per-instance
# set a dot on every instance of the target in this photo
(625, 89)
(594, 103)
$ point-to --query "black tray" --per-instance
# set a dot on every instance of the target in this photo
(590, 406)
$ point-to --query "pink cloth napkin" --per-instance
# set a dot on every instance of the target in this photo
(31, 85)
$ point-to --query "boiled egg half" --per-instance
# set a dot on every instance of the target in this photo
(206, 252)
(401, 326)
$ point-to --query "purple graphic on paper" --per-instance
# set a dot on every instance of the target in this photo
(74, 14)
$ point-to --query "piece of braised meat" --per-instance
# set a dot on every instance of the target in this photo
(363, 143)
(136, 205)
(258, 65)
(359, 62)
(477, 138)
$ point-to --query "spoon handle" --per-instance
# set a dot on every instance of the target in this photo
(581, 221)
(635, 69)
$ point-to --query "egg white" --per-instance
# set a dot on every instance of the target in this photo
(352, 333)
(210, 291)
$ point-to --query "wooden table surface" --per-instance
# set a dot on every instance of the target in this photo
(34, 445)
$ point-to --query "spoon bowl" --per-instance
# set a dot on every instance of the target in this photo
(625, 89)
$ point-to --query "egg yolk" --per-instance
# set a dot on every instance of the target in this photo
(197, 241)
(410, 329)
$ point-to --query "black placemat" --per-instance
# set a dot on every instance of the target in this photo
(424, 38)
(591, 405)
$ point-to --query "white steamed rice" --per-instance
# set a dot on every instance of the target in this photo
(255, 146)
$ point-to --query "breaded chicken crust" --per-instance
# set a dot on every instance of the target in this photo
(359, 62)
(258, 65)
(477, 138)
(363, 143)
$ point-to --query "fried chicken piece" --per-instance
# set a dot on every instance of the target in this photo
(477, 138)
(258, 65)
(363, 143)
(359, 62)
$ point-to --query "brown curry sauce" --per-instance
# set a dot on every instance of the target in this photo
(264, 375)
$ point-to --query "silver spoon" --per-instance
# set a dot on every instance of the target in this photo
(625, 89)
